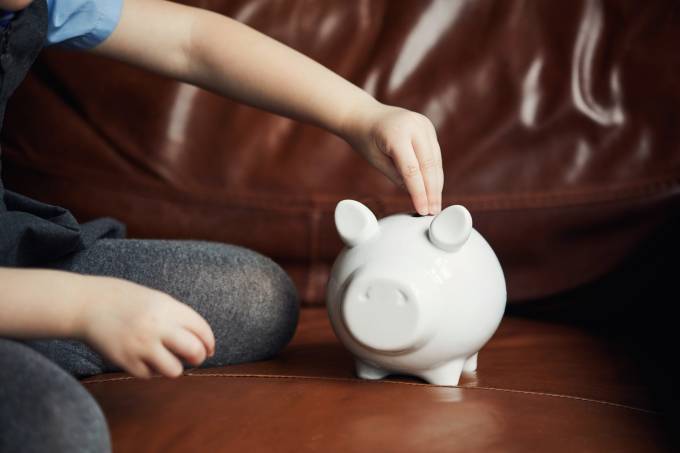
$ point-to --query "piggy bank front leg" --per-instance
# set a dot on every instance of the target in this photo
(447, 374)
(366, 371)
(471, 363)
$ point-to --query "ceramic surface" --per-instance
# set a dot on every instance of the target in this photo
(417, 295)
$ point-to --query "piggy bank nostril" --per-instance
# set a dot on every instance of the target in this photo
(365, 296)
(401, 298)
(389, 295)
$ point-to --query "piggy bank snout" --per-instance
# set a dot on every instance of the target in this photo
(383, 313)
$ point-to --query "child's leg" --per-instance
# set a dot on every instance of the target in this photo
(43, 408)
(248, 300)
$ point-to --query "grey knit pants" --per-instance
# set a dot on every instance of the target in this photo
(248, 300)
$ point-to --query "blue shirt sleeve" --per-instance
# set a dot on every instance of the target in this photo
(81, 24)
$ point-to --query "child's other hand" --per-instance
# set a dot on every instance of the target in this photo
(143, 330)
(403, 145)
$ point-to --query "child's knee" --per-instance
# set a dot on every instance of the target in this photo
(273, 303)
(284, 304)
(253, 309)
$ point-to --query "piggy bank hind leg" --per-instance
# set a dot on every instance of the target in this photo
(447, 374)
(471, 363)
(366, 371)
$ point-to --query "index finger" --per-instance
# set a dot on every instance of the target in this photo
(430, 166)
(406, 162)
(196, 324)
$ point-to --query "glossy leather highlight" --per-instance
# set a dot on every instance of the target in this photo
(556, 122)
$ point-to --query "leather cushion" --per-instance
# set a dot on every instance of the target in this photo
(555, 122)
(539, 386)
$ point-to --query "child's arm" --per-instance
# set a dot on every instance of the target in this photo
(58, 298)
(137, 328)
(218, 53)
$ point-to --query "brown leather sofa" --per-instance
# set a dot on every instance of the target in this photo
(560, 130)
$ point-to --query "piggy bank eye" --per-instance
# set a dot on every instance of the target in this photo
(451, 228)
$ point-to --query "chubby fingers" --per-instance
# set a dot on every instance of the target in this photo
(186, 345)
(164, 362)
(439, 168)
(197, 325)
(164, 356)
(430, 163)
(138, 368)
(420, 166)
(409, 168)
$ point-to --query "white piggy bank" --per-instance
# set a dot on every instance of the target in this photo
(416, 295)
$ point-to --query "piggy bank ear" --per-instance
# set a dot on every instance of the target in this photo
(451, 228)
(355, 222)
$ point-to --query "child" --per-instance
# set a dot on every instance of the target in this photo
(81, 300)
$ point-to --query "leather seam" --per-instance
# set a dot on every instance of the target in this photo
(385, 381)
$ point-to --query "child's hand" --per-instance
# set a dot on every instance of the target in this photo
(143, 330)
(403, 145)
(196, 46)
